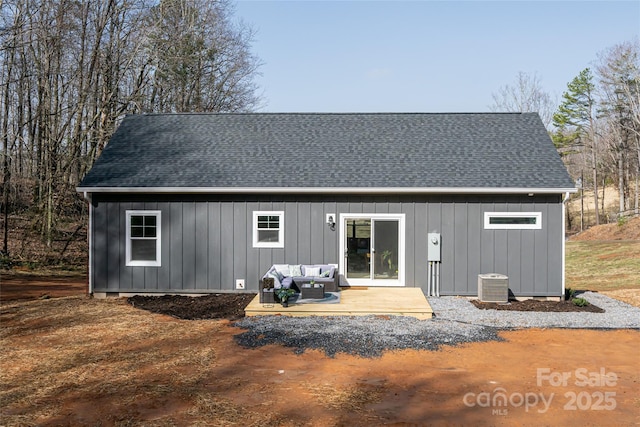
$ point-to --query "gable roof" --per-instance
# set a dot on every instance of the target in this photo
(318, 152)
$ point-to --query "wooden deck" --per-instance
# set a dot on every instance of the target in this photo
(356, 301)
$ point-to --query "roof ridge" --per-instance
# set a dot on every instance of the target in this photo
(319, 113)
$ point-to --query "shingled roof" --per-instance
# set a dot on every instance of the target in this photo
(300, 152)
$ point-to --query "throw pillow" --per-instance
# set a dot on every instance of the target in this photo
(283, 269)
(311, 271)
(273, 272)
(326, 273)
(296, 270)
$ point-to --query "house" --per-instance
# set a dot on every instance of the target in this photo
(202, 203)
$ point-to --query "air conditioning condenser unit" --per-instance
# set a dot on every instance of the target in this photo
(493, 288)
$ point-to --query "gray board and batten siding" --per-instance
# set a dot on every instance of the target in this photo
(206, 240)
(205, 175)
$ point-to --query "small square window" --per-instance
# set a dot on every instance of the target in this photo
(143, 238)
(268, 229)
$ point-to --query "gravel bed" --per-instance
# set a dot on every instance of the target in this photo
(366, 336)
(617, 315)
(456, 321)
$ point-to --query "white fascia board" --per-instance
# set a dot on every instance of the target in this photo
(326, 190)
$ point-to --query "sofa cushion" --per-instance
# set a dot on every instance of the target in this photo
(287, 282)
(311, 271)
(276, 280)
(295, 270)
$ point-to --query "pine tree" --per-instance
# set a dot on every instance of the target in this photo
(575, 122)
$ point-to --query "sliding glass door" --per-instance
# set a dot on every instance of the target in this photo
(373, 248)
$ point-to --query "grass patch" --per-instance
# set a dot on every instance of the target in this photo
(102, 362)
(50, 271)
(353, 398)
(97, 352)
(603, 266)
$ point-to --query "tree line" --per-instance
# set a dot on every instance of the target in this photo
(595, 125)
(70, 70)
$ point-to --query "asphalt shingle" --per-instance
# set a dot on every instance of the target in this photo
(353, 150)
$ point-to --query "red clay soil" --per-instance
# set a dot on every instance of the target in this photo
(456, 386)
(15, 287)
(535, 377)
(628, 230)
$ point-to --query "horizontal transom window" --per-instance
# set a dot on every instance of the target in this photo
(513, 220)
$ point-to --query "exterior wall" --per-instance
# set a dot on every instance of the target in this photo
(207, 240)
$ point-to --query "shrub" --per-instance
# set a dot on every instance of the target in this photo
(580, 302)
(5, 262)
(622, 220)
(569, 293)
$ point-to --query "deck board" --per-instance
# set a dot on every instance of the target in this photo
(359, 301)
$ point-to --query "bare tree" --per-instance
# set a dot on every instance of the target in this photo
(525, 95)
(201, 61)
(8, 54)
(71, 69)
(619, 74)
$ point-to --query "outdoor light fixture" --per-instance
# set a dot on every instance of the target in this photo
(331, 220)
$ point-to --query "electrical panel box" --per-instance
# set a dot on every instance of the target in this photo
(433, 247)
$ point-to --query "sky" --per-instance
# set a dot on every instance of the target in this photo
(423, 56)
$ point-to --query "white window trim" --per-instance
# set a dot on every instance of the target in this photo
(280, 242)
(342, 265)
(158, 215)
(536, 226)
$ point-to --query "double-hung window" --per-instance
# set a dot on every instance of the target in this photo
(513, 220)
(268, 229)
(143, 238)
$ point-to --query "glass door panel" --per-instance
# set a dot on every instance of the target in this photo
(385, 249)
(358, 251)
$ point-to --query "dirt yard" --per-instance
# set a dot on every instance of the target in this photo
(81, 361)
(70, 360)
(30, 286)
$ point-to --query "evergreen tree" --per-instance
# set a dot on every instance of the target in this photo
(575, 122)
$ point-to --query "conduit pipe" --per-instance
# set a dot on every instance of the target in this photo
(437, 279)
(433, 279)
(429, 281)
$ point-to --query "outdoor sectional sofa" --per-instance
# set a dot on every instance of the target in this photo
(293, 276)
